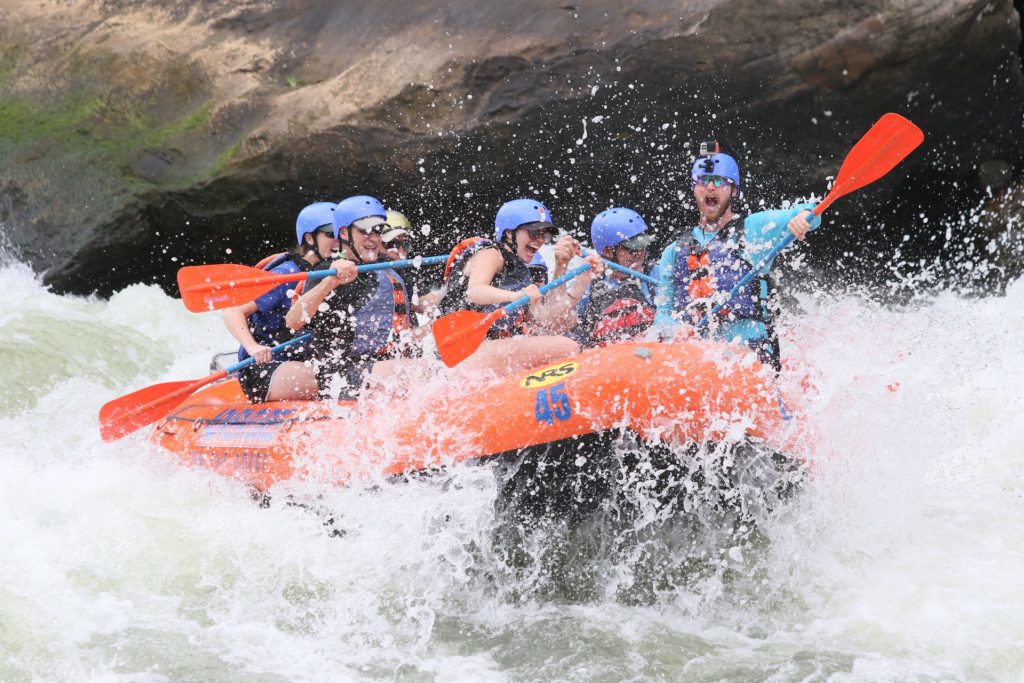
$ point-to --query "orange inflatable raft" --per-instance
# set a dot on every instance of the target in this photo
(664, 396)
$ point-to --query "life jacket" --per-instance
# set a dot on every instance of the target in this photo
(704, 276)
(514, 276)
(268, 327)
(615, 314)
(274, 260)
(400, 322)
(379, 321)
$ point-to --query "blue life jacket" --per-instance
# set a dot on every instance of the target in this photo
(704, 275)
(514, 276)
(360, 320)
(267, 323)
(382, 317)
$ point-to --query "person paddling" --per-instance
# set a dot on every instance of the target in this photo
(260, 324)
(397, 236)
(359, 321)
(485, 274)
(397, 240)
(617, 307)
(699, 269)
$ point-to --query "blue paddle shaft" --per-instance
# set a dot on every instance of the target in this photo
(623, 269)
(382, 265)
(629, 271)
(786, 241)
(280, 347)
(557, 282)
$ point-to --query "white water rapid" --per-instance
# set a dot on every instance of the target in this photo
(901, 560)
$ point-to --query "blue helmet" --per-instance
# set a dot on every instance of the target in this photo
(717, 164)
(348, 211)
(314, 216)
(615, 226)
(520, 212)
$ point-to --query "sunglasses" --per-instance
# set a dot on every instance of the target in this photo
(399, 244)
(326, 229)
(712, 180)
(548, 234)
(372, 230)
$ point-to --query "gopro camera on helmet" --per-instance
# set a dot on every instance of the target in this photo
(709, 147)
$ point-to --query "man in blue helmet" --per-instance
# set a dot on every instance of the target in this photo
(617, 307)
(699, 270)
(484, 275)
(359, 321)
(260, 324)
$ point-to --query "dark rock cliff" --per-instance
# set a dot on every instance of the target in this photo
(136, 137)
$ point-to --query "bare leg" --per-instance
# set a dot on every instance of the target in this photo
(386, 368)
(293, 380)
(505, 355)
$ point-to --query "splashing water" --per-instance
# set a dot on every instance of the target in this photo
(899, 561)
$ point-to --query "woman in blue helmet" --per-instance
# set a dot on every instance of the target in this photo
(617, 307)
(704, 264)
(488, 274)
(260, 324)
(359, 321)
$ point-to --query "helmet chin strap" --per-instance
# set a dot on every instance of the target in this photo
(314, 248)
(510, 243)
(351, 246)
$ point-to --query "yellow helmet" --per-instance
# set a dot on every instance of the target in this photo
(397, 219)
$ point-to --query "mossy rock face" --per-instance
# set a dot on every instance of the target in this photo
(136, 137)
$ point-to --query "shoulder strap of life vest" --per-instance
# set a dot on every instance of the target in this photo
(401, 320)
(457, 251)
(274, 260)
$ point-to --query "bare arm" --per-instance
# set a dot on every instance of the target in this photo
(237, 321)
(303, 310)
(480, 271)
(426, 304)
(558, 313)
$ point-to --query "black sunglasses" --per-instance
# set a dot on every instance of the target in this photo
(373, 229)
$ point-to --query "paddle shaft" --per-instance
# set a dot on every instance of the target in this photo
(557, 282)
(221, 374)
(623, 269)
(280, 347)
(786, 241)
(320, 274)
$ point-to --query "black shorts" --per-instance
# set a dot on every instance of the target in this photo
(255, 379)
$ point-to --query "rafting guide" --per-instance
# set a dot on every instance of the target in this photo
(702, 269)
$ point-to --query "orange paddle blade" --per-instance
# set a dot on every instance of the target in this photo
(888, 142)
(124, 415)
(459, 334)
(210, 288)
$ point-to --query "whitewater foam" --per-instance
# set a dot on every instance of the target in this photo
(899, 561)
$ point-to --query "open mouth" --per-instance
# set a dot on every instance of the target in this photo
(711, 201)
